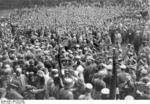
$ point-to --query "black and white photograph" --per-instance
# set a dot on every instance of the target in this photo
(74, 50)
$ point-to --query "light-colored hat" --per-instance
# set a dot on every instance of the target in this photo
(79, 50)
(120, 50)
(110, 60)
(3, 99)
(77, 45)
(68, 83)
(40, 73)
(78, 57)
(123, 66)
(8, 70)
(138, 31)
(130, 53)
(70, 51)
(100, 74)
(89, 86)
(7, 66)
(108, 67)
(120, 59)
(129, 97)
(36, 47)
(76, 73)
(144, 71)
(46, 52)
(55, 72)
(105, 91)
(85, 48)
(80, 69)
(61, 46)
(90, 58)
(19, 69)
(148, 84)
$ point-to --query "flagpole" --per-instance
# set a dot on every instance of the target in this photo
(114, 77)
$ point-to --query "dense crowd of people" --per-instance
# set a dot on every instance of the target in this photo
(43, 64)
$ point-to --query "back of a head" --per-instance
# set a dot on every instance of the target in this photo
(129, 97)
(89, 87)
(105, 93)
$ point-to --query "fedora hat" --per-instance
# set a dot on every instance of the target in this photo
(68, 83)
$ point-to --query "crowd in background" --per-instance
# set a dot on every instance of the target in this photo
(43, 64)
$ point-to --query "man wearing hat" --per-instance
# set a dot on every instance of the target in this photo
(20, 80)
(66, 92)
(137, 42)
(108, 76)
(142, 68)
(98, 84)
(107, 38)
(11, 88)
(87, 95)
(80, 69)
(118, 37)
(130, 36)
(145, 95)
(43, 84)
(90, 69)
(55, 76)
(125, 82)
(52, 84)
(72, 41)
